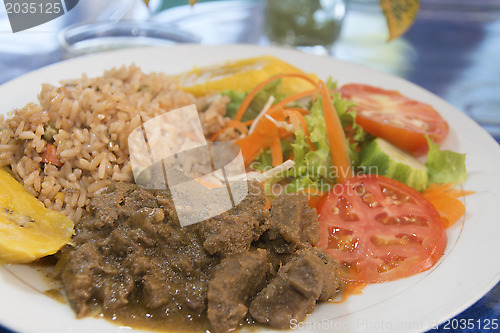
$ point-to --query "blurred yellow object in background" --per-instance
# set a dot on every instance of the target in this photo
(400, 15)
(28, 230)
(241, 75)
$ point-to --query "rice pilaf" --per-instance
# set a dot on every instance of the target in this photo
(90, 120)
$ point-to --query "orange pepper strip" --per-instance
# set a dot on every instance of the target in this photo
(336, 137)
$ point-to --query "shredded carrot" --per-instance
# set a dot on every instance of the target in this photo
(236, 122)
(268, 203)
(295, 97)
(294, 120)
(248, 99)
(459, 193)
(276, 151)
(242, 127)
(218, 133)
(299, 110)
(265, 133)
(445, 199)
(299, 122)
(436, 189)
(336, 137)
(251, 146)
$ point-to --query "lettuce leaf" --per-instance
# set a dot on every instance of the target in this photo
(313, 168)
(358, 137)
(444, 166)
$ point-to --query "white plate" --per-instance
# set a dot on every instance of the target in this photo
(467, 271)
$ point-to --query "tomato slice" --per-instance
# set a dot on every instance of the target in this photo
(380, 229)
(400, 120)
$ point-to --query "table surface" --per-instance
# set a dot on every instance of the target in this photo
(450, 51)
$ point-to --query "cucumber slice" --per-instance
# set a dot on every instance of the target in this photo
(383, 158)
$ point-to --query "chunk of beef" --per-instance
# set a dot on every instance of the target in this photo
(118, 202)
(235, 230)
(293, 226)
(156, 293)
(77, 275)
(293, 220)
(131, 258)
(237, 279)
(130, 248)
(293, 293)
(333, 285)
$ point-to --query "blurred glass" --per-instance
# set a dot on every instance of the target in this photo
(305, 24)
(93, 37)
(216, 22)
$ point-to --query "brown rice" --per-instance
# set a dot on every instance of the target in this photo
(93, 118)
